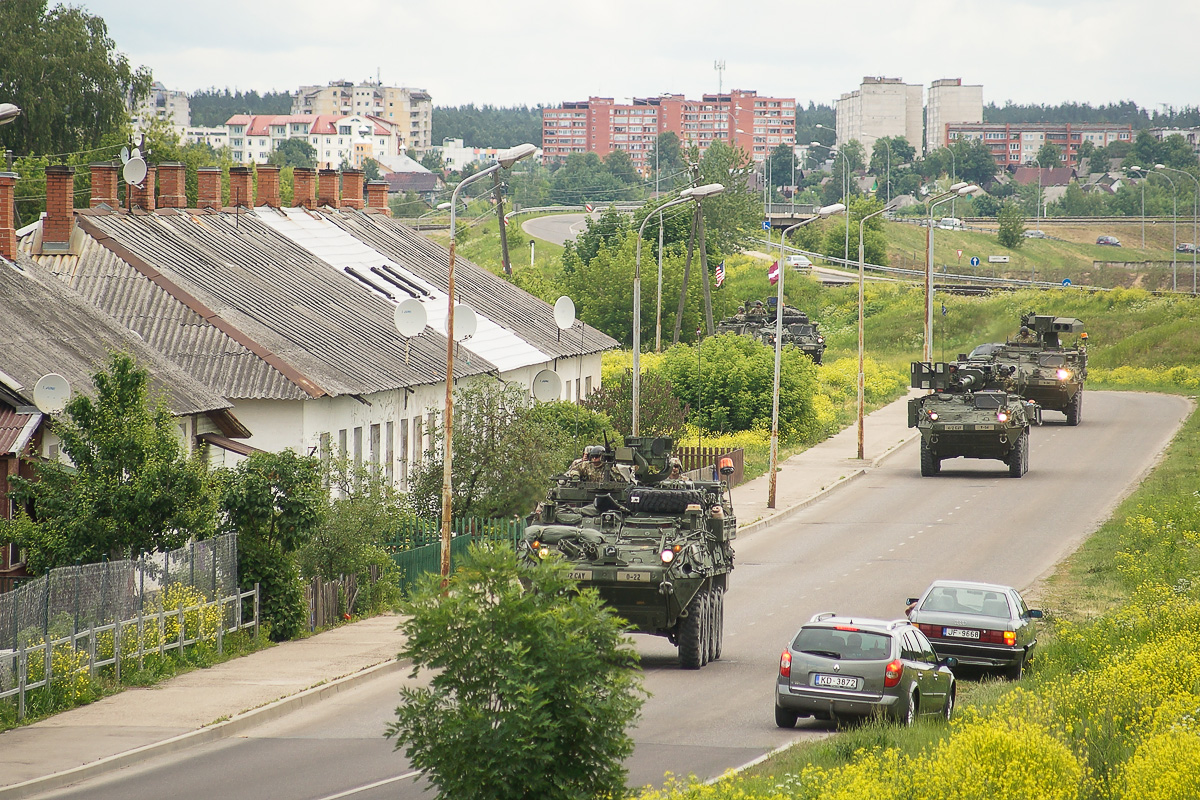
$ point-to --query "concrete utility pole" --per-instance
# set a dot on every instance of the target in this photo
(499, 196)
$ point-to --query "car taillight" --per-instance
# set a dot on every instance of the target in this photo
(1010, 638)
(892, 673)
(785, 665)
(930, 630)
(1007, 638)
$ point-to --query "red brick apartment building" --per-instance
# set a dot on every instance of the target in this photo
(1017, 144)
(600, 125)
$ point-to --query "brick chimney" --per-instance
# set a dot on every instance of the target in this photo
(304, 187)
(8, 231)
(352, 188)
(208, 188)
(377, 196)
(241, 186)
(172, 186)
(143, 196)
(104, 185)
(268, 186)
(327, 187)
(59, 221)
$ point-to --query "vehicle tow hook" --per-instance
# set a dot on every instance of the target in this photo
(666, 588)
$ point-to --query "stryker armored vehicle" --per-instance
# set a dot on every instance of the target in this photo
(798, 330)
(658, 550)
(970, 412)
(1049, 372)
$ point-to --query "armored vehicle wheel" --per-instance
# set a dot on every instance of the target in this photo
(719, 631)
(1074, 409)
(706, 630)
(714, 623)
(1018, 457)
(930, 464)
(816, 358)
(663, 501)
(785, 718)
(689, 634)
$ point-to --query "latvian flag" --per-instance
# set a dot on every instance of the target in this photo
(719, 274)
(773, 272)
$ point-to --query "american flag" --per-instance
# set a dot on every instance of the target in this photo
(719, 274)
(773, 272)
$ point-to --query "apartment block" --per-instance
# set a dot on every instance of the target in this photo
(880, 107)
(601, 125)
(411, 110)
(949, 102)
(338, 139)
(167, 105)
(1016, 144)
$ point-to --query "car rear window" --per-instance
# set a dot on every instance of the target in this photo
(843, 644)
(962, 600)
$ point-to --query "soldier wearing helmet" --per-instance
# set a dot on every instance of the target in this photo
(595, 468)
(1026, 336)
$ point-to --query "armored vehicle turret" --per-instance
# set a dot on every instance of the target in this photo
(970, 412)
(658, 549)
(1049, 370)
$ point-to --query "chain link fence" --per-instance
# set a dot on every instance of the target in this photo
(68, 600)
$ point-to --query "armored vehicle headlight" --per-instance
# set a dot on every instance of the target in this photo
(544, 552)
(1002, 415)
(820, 340)
(1063, 374)
(933, 415)
(668, 555)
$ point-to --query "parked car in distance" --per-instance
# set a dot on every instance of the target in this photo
(845, 667)
(1185, 247)
(1110, 241)
(979, 624)
(799, 262)
(950, 224)
(1034, 234)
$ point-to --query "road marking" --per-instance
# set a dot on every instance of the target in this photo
(374, 785)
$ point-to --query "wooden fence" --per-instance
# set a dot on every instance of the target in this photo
(707, 459)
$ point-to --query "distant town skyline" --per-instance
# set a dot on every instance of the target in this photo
(532, 52)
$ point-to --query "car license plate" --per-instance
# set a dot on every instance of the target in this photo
(633, 577)
(835, 681)
(952, 427)
(960, 633)
(580, 574)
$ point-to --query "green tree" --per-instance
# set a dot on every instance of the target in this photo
(1012, 226)
(609, 230)
(432, 161)
(211, 107)
(667, 158)
(660, 413)
(779, 166)
(66, 74)
(620, 166)
(532, 687)
(583, 178)
(273, 501)
(502, 455)
(874, 240)
(294, 153)
(1077, 203)
(733, 218)
(884, 166)
(1048, 155)
(129, 487)
(975, 162)
(1084, 153)
(487, 126)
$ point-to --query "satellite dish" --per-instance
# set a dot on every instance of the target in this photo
(124, 154)
(564, 312)
(410, 317)
(465, 322)
(134, 170)
(51, 393)
(547, 386)
(135, 153)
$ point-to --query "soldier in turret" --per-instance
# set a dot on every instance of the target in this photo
(596, 469)
(1026, 336)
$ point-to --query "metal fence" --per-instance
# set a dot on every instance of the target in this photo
(68, 600)
(416, 548)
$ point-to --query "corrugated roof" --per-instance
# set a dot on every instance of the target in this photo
(490, 295)
(15, 429)
(48, 327)
(313, 319)
(336, 246)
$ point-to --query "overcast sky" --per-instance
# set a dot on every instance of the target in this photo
(527, 52)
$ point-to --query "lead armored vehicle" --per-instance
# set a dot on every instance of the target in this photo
(658, 550)
(798, 330)
(970, 412)
(1049, 371)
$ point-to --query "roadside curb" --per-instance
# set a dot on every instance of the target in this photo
(210, 733)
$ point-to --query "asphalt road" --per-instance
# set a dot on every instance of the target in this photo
(558, 228)
(861, 549)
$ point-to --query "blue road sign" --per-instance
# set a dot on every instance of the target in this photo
(1066, 281)
(766, 224)
(974, 261)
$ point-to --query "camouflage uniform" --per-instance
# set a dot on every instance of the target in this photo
(1026, 336)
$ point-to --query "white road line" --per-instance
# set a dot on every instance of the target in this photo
(374, 785)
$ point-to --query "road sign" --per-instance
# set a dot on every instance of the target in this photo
(1066, 281)
(997, 259)
(960, 253)
(766, 224)
(974, 261)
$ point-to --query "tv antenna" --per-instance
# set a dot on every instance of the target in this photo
(719, 66)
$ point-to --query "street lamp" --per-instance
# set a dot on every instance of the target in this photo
(697, 194)
(956, 190)
(884, 139)
(8, 112)
(1174, 226)
(1145, 177)
(845, 189)
(1195, 208)
(504, 160)
(862, 223)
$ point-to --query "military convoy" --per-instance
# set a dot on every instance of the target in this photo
(759, 321)
(658, 550)
(1049, 372)
(970, 412)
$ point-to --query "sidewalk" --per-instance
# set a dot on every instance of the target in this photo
(222, 701)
